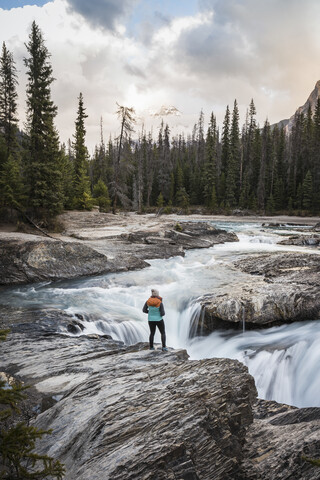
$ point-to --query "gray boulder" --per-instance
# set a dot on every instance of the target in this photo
(203, 232)
(283, 288)
(302, 240)
(183, 236)
(316, 228)
(48, 259)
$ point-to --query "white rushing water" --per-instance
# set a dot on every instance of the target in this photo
(283, 360)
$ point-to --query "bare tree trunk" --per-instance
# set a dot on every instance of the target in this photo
(127, 120)
(116, 171)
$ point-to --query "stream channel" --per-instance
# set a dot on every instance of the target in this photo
(283, 360)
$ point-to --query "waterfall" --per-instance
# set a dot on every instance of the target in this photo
(126, 331)
(195, 314)
(283, 360)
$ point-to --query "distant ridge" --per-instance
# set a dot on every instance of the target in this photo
(165, 110)
(312, 100)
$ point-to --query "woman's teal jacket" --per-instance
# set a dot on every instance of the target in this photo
(154, 308)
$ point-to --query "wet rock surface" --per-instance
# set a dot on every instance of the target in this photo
(126, 412)
(49, 259)
(284, 287)
(302, 240)
(279, 444)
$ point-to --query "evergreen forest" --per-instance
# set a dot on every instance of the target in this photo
(218, 169)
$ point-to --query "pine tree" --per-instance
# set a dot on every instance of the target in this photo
(225, 156)
(266, 157)
(244, 196)
(160, 201)
(8, 98)
(211, 158)
(307, 142)
(278, 196)
(272, 164)
(11, 186)
(66, 167)
(270, 205)
(307, 191)
(172, 188)
(148, 166)
(316, 157)
(43, 176)
(213, 200)
(81, 188)
(182, 198)
(295, 161)
(233, 165)
(196, 187)
(251, 161)
(200, 140)
(140, 155)
(299, 197)
(164, 166)
(225, 142)
(101, 193)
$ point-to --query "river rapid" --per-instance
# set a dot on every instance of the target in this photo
(283, 360)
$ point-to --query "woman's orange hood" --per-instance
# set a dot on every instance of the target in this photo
(154, 301)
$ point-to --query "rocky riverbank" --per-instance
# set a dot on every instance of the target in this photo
(100, 248)
(127, 412)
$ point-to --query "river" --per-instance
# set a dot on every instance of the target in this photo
(283, 360)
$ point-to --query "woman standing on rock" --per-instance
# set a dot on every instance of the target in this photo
(155, 310)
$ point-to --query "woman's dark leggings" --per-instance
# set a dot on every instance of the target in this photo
(160, 325)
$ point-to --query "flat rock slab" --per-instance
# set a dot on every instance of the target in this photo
(282, 288)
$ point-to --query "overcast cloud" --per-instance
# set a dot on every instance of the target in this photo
(102, 13)
(148, 53)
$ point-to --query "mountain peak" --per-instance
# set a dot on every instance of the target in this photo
(312, 100)
(166, 110)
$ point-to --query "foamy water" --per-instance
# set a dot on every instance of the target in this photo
(283, 360)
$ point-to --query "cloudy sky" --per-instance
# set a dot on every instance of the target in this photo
(192, 54)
